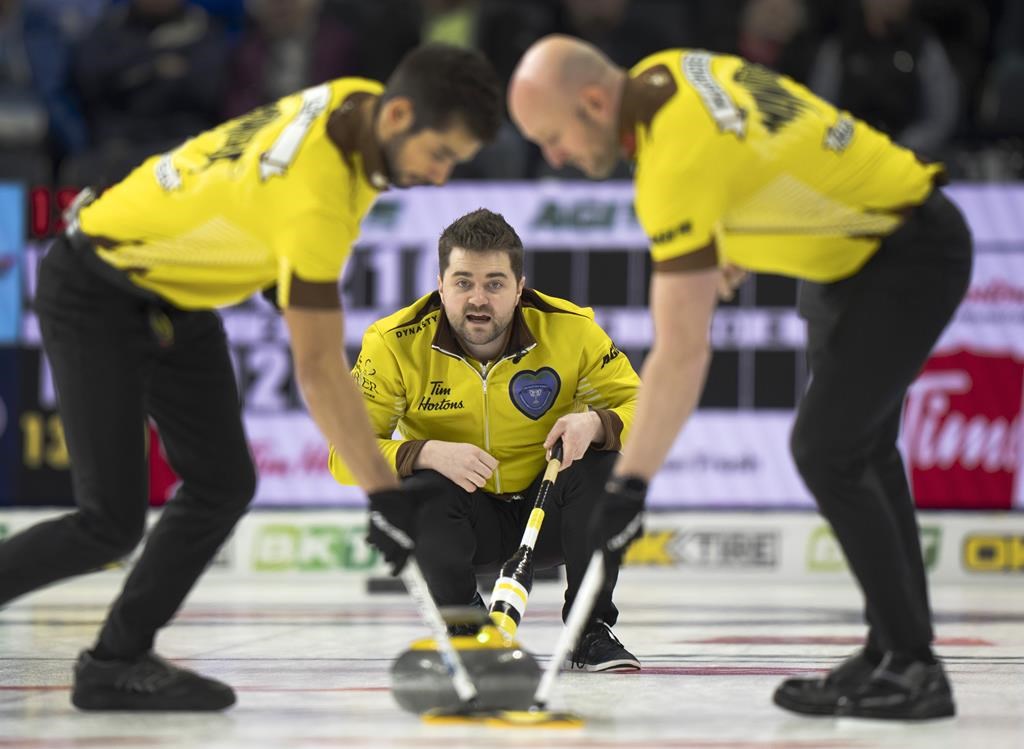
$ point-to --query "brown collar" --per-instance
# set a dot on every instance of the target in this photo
(350, 127)
(642, 97)
(520, 339)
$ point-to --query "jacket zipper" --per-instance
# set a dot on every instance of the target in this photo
(487, 420)
(487, 435)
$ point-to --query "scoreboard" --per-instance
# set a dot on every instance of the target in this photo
(962, 435)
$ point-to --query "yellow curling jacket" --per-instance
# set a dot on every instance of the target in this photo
(778, 179)
(416, 378)
(258, 200)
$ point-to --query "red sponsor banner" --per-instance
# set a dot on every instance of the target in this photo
(291, 460)
(962, 428)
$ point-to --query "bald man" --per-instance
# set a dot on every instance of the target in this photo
(736, 166)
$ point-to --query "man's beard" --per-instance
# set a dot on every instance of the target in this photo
(497, 329)
(390, 150)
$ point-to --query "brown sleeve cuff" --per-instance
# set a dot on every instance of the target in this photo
(313, 294)
(612, 430)
(703, 259)
(405, 459)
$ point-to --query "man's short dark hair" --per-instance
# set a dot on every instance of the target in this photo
(481, 231)
(448, 85)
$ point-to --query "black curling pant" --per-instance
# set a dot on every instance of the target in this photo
(462, 533)
(118, 357)
(868, 337)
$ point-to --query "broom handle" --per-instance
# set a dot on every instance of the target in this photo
(593, 579)
(537, 513)
(511, 592)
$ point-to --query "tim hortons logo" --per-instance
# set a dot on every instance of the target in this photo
(941, 437)
(962, 431)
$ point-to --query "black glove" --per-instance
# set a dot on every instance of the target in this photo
(393, 525)
(618, 517)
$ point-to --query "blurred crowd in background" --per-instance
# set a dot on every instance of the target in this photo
(89, 88)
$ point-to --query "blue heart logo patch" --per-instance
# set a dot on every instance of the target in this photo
(534, 393)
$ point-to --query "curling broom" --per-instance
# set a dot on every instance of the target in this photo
(515, 579)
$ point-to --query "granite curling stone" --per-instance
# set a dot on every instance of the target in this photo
(505, 675)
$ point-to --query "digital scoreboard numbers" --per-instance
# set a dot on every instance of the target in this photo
(963, 422)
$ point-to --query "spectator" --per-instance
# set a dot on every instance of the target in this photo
(1001, 112)
(229, 13)
(964, 29)
(74, 18)
(386, 31)
(889, 70)
(625, 31)
(777, 34)
(150, 75)
(502, 30)
(506, 28)
(288, 45)
(23, 116)
(1009, 39)
(450, 22)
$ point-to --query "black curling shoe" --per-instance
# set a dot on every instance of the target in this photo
(821, 696)
(908, 690)
(147, 682)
